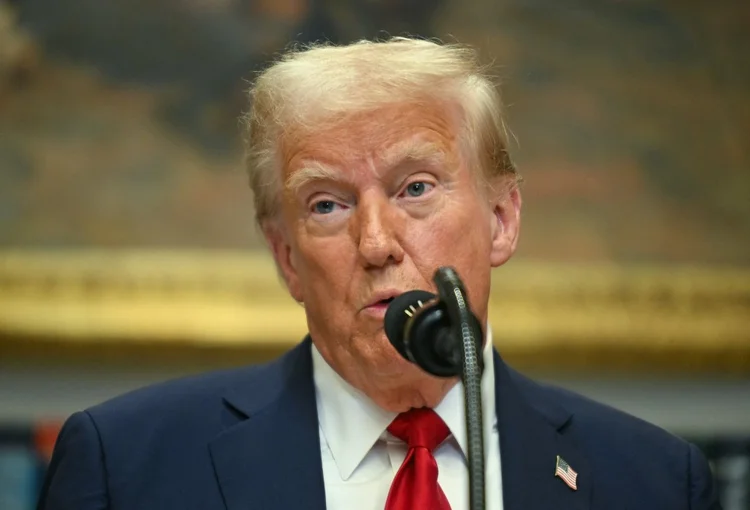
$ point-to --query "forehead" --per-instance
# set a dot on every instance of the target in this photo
(372, 136)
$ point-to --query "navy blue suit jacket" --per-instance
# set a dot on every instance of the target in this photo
(248, 439)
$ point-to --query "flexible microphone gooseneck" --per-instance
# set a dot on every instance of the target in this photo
(441, 335)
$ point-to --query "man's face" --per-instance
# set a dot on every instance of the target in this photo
(371, 209)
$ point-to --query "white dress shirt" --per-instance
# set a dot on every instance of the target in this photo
(360, 457)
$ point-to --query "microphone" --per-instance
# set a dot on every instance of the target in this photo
(418, 325)
(442, 336)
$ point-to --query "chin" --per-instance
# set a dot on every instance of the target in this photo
(378, 356)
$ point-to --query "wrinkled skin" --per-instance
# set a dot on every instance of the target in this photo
(374, 225)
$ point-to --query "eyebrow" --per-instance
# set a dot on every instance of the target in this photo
(312, 171)
(413, 150)
(394, 156)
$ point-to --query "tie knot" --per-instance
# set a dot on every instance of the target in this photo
(420, 427)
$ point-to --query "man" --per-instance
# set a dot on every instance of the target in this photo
(372, 165)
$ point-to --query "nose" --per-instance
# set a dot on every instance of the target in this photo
(377, 231)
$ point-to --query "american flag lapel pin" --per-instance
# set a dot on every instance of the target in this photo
(566, 473)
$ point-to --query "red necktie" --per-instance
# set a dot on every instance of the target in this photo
(415, 486)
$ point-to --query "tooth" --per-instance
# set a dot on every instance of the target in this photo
(419, 302)
(407, 312)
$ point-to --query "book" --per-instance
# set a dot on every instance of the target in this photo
(19, 477)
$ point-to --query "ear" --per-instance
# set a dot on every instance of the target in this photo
(282, 252)
(506, 223)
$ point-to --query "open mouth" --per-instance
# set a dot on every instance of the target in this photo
(381, 300)
(382, 304)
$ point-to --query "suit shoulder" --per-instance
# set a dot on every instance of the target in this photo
(594, 421)
(194, 402)
(655, 466)
(179, 395)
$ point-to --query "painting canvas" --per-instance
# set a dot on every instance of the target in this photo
(630, 122)
(119, 131)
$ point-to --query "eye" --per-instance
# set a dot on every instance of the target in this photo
(324, 206)
(418, 188)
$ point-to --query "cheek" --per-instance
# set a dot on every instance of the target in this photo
(460, 228)
(326, 264)
(460, 237)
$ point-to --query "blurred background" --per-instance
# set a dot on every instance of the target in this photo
(128, 252)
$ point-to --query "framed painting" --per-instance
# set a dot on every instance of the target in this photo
(126, 224)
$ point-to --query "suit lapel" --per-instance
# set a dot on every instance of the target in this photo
(269, 455)
(269, 458)
(532, 435)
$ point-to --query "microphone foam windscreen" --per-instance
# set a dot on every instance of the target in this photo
(396, 316)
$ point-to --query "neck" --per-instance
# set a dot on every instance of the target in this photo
(401, 387)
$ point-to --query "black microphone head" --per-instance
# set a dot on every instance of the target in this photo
(396, 316)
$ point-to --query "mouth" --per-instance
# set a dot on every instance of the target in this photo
(383, 303)
(380, 302)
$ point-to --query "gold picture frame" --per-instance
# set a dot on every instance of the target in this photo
(229, 307)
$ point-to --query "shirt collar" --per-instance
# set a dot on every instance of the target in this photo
(452, 408)
(352, 423)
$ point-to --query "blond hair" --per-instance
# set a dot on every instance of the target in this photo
(322, 85)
